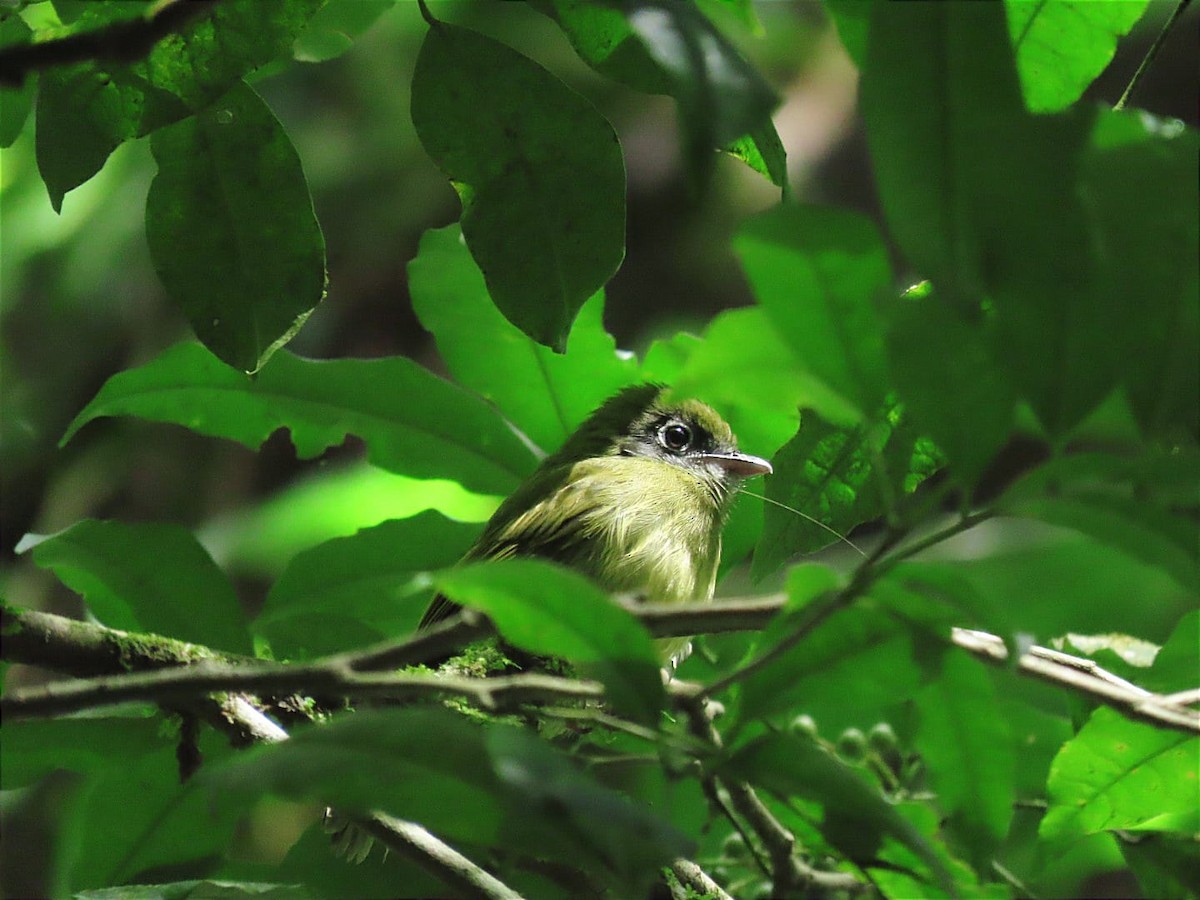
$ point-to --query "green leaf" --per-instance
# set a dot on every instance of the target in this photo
(147, 577)
(86, 110)
(412, 422)
(1178, 660)
(546, 609)
(335, 501)
(852, 18)
(110, 838)
(841, 478)
(1165, 864)
(334, 27)
(1121, 774)
(856, 816)
(819, 274)
(462, 781)
(968, 752)
(539, 172)
(15, 102)
(32, 749)
(1136, 505)
(1140, 178)
(943, 367)
(546, 395)
(672, 48)
(721, 97)
(231, 229)
(1062, 47)
(847, 672)
(375, 579)
(982, 198)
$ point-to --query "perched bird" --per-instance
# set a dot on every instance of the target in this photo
(635, 499)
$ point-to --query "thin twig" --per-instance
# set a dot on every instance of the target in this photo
(121, 42)
(1150, 55)
(692, 876)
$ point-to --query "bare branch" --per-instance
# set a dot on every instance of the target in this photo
(121, 42)
(692, 876)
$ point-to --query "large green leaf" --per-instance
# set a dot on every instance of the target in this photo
(847, 672)
(1062, 46)
(231, 229)
(372, 580)
(33, 748)
(110, 838)
(86, 110)
(411, 421)
(539, 172)
(856, 818)
(546, 609)
(464, 782)
(147, 577)
(819, 274)
(839, 477)
(1140, 177)
(968, 752)
(544, 394)
(1121, 774)
(943, 367)
(334, 27)
(982, 198)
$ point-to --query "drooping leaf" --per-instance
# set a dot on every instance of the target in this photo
(372, 580)
(232, 231)
(412, 422)
(672, 48)
(539, 172)
(981, 196)
(86, 110)
(819, 274)
(841, 477)
(968, 752)
(147, 577)
(1144, 191)
(332, 30)
(1062, 47)
(544, 394)
(546, 609)
(1121, 774)
(944, 370)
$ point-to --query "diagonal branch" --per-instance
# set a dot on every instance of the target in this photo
(122, 42)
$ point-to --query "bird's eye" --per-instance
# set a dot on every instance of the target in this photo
(675, 436)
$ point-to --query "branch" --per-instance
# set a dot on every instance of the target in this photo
(1150, 55)
(692, 876)
(121, 42)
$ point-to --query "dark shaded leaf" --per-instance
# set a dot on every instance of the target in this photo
(33, 748)
(147, 577)
(374, 580)
(539, 172)
(968, 752)
(15, 102)
(856, 816)
(412, 422)
(546, 395)
(231, 229)
(86, 110)
(546, 609)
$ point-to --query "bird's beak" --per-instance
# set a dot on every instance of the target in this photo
(743, 465)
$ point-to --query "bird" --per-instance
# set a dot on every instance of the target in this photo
(635, 499)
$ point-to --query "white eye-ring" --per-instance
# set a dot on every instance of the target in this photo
(675, 436)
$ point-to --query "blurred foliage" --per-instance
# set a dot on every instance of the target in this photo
(1042, 382)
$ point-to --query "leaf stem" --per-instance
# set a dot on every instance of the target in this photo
(1151, 54)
